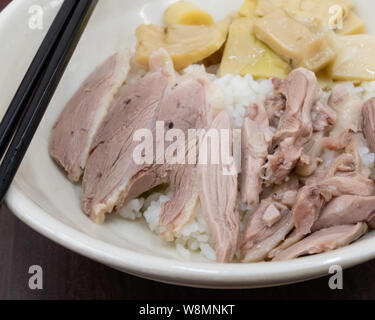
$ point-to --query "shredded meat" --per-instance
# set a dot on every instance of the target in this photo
(347, 209)
(269, 224)
(323, 240)
(256, 138)
(295, 128)
(338, 179)
(311, 156)
(369, 123)
(339, 142)
(218, 196)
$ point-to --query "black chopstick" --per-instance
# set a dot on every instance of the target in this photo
(39, 99)
(11, 118)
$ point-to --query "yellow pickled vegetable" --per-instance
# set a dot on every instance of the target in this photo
(185, 44)
(352, 24)
(248, 8)
(317, 13)
(324, 78)
(293, 41)
(186, 13)
(355, 59)
(244, 54)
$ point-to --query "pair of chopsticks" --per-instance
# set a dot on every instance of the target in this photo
(31, 100)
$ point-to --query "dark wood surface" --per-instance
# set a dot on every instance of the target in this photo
(70, 276)
(3, 4)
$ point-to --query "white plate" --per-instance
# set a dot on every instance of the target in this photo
(43, 198)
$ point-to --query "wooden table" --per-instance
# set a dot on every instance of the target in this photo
(70, 276)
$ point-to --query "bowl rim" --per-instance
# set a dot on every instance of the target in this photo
(196, 274)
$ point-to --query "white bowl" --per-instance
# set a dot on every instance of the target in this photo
(43, 198)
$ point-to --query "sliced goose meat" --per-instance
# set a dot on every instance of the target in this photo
(288, 198)
(266, 228)
(310, 200)
(275, 107)
(286, 193)
(218, 196)
(323, 240)
(191, 109)
(75, 128)
(111, 169)
(346, 209)
(215, 97)
(159, 97)
(358, 145)
(292, 239)
(353, 183)
(339, 179)
(295, 127)
(338, 166)
(337, 143)
(256, 138)
(180, 210)
(271, 216)
(369, 123)
(311, 156)
(186, 104)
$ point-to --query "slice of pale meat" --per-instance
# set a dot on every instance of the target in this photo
(339, 142)
(75, 128)
(186, 104)
(160, 98)
(338, 179)
(180, 210)
(295, 128)
(346, 209)
(275, 105)
(324, 240)
(218, 195)
(345, 163)
(267, 227)
(358, 143)
(271, 216)
(111, 166)
(369, 123)
(292, 239)
(312, 198)
(256, 138)
(187, 108)
(348, 109)
(311, 157)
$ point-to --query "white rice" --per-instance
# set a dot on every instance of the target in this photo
(240, 93)
(132, 210)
